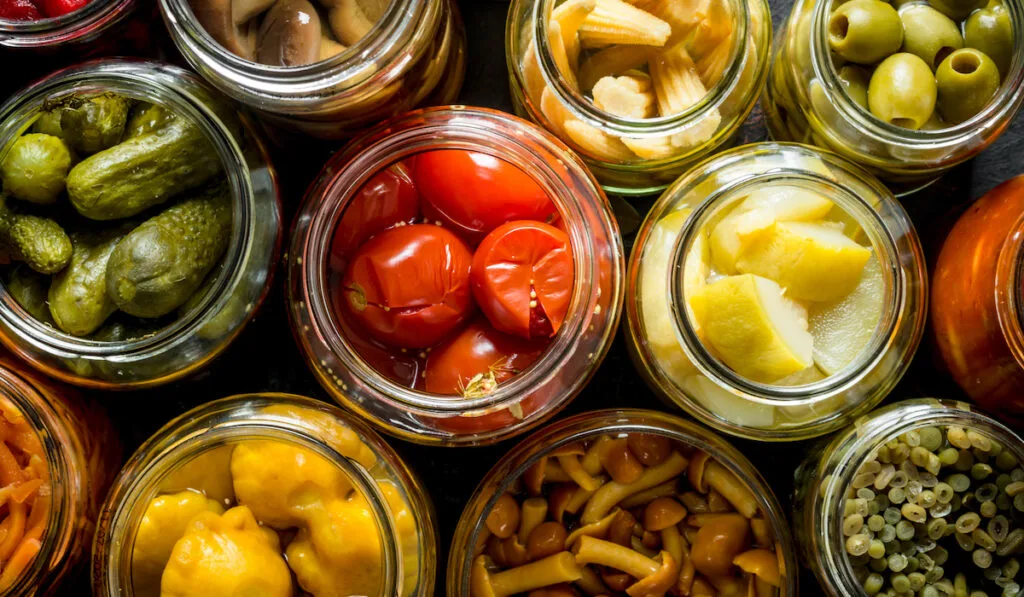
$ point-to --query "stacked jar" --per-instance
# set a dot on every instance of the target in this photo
(328, 68)
(642, 91)
(442, 202)
(220, 496)
(168, 312)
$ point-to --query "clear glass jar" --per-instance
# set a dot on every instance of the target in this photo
(533, 395)
(704, 128)
(415, 55)
(678, 365)
(824, 476)
(472, 532)
(977, 299)
(192, 340)
(194, 452)
(82, 454)
(805, 102)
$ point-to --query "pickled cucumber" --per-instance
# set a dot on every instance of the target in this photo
(143, 171)
(92, 124)
(39, 242)
(36, 168)
(78, 296)
(160, 264)
(48, 123)
(146, 118)
(29, 288)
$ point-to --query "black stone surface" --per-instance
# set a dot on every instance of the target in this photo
(265, 358)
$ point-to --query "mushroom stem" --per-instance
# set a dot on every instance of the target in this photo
(533, 512)
(672, 542)
(590, 582)
(571, 465)
(597, 529)
(611, 493)
(727, 484)
(649, 495)
(590, 550)
(551, 570)
(595, 453)
(554, 473)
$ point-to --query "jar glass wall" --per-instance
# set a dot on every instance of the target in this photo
(53, 436)
(805, 101)
(825, 478)
(531, 472)
(217, 310)
(568, 359)
(976, 301)
(414, 55)
(767, 196)
(641, 152)
(364, 523)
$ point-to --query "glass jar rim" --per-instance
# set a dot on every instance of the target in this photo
(1000, 109)
(1009, 290)
(585, 109)
(134, 77)
(387, 50)
(882, 243)
(191, 434)
(419, 131)
(615, 421)
(26, 398)
(878, 427)
(54, 30)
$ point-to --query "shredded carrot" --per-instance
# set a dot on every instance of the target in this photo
(24, 494)
(20, 560)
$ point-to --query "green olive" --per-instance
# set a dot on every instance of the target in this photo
(902, 91)
(865, 31)
(929, 34)
(989, 30)
(967, 81)
(934, 123)
(957, 9)
(855, 79)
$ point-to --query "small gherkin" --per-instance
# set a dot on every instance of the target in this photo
(92, 124)
(39, 242)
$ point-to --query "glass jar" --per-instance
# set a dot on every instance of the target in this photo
(196, 452)
(689, 136)
(415, 55)
(81, 453)
(680, 367)
(976, 301)
(533, 395)
(231, 300)
(472, 531)
(42, 46)
(806, 102)
(825, 475)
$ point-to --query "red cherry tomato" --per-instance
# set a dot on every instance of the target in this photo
(409, 285)
(476, 360)
(522, 278)
(401, 367)
(474, 193)
(385, 200)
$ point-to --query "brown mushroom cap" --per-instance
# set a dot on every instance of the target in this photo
(216, 18)
(290, 34)
(649, 449)
(545, 540)
(695, 472)
(243, 10)
(662, 513)
(503, 519)
(762, 563)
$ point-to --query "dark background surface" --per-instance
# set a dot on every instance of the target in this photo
(266, 359)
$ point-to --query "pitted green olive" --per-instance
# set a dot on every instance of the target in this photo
(967, 80)
(929, 34)
(990, 31)
(855, 79)
(865, 31)
(902, 91)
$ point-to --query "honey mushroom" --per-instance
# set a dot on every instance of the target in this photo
(620, 508)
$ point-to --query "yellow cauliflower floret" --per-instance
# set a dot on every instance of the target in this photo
(338, 553)
(209, 473)
(163, 523)
(279, 481)
(228, 555)
(338, 435)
